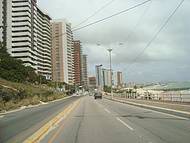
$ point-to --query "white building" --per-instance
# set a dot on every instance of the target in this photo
(1, 19)
(62, 52)
(44, 44)
(99, 78)
(26, 34)
(106, 77)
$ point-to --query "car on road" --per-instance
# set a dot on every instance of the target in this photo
(98, 95)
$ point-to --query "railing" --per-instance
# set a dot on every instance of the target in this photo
(172, 97)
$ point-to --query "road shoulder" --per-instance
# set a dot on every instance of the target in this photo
(160, 108)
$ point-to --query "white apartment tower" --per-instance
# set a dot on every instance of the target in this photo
(106, 75)
(44, 44)
(99, 77)
(26, 34)
(62, 52)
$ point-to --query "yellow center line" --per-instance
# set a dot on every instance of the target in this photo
(38, 135)
(58, 132)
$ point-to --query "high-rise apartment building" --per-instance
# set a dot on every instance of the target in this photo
(99, 78)
(2, 20)
(26, 34)
(106, 77)
(77, 62)
(92, 81)
(119, 79)
(43, 44)
(62, 52)
(84, 71)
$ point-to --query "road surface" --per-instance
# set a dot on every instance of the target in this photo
(16, 126)
(105, 121)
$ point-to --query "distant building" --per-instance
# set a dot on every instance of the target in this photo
(106, 77)
(25, 32)
(84, 71)
(99, 78)
(119, 79)
(77, 62)
(92, 81)
(62, 52)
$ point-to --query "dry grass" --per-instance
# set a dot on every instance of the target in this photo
(34, 94)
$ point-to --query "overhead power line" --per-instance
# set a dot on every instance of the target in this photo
(108, 17)
(96, 12)
(156, 34)
(113, 15)
(138, 22)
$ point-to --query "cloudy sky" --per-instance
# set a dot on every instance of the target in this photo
(166, 59)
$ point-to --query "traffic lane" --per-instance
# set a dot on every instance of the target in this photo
(18, 125)
(91, 123)
(152, 125)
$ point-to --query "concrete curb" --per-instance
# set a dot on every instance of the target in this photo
(159, 109)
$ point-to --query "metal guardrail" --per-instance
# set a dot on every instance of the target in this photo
(158, 97)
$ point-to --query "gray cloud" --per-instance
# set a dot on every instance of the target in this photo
(167, 58)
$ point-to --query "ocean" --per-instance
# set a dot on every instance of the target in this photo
(171, 86)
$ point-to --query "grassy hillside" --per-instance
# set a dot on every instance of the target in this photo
(14, 95)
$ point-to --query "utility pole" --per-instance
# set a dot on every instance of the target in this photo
(110, 50)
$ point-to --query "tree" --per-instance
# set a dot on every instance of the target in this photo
(107, 89)
(14, 69)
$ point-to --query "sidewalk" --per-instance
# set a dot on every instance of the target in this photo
(167, 107)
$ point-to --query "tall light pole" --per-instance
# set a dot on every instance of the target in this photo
(110, 50)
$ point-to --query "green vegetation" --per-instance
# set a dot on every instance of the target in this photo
(21, 86)
(107, 89)
(14, 95)
(13, 69)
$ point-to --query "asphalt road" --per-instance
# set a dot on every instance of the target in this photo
(17, 126)
(105, 121)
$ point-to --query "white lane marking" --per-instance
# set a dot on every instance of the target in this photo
(107, 110)
(175, 116)
(129, 127)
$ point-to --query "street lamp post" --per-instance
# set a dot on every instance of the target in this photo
(110, 50)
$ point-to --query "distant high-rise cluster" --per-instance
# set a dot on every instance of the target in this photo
(46, 45)
(105, 77)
